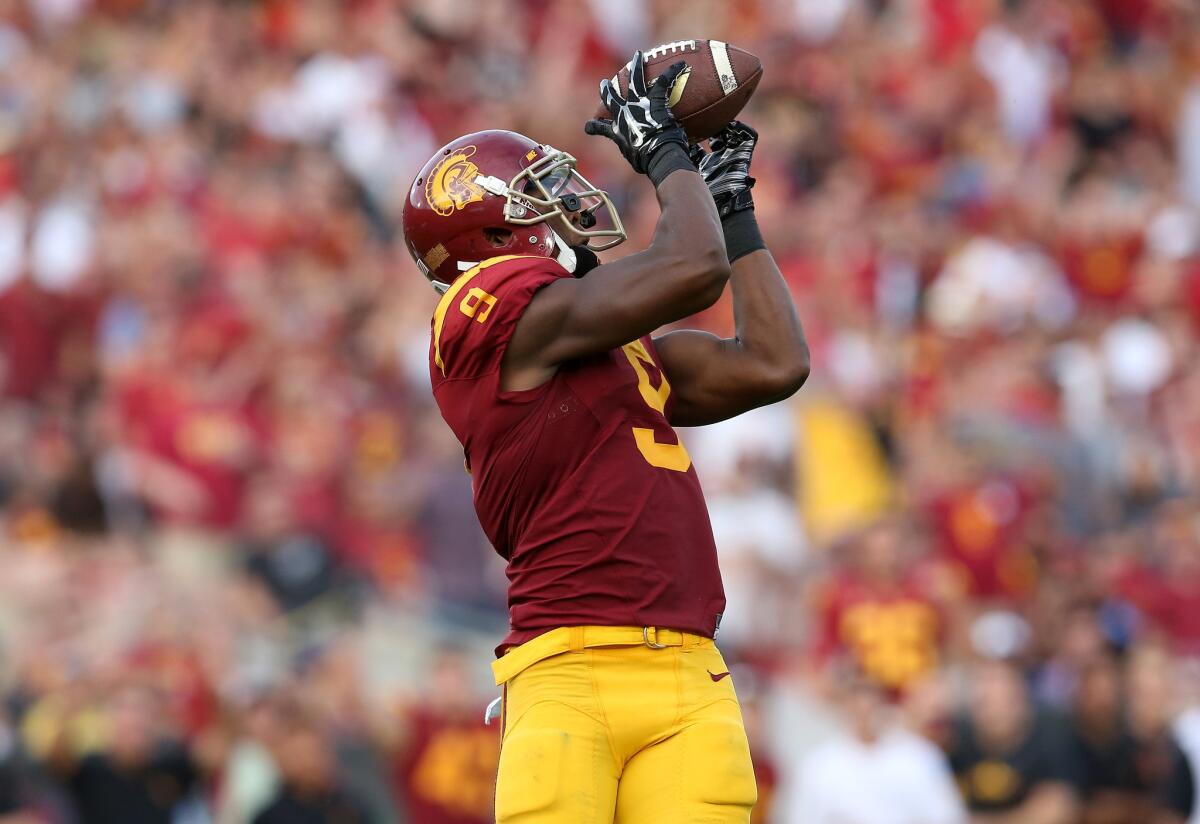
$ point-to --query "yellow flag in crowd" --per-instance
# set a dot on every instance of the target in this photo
(844, 478)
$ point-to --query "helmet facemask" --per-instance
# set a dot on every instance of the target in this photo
(552, 187)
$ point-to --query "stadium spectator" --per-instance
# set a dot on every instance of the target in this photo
(15, 806)
(250, 779)
(877, 772)
(138, 775)
(1162, 772)
(1126, 777)
(880, 612)
(1012, 760)
(309, 790)
(446, 759)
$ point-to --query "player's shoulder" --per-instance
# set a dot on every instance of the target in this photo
(476, 315)
(505, 273)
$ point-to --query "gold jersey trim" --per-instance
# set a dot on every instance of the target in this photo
(439, 314)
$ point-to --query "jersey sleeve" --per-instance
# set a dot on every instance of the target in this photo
(475, 319)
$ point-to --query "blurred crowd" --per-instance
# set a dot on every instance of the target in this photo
(240, 575)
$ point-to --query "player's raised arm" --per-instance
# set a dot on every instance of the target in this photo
(683, 271)
(767, 359)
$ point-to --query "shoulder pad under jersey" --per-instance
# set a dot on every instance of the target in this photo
(476, 317)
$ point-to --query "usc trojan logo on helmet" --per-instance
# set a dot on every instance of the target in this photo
(451, 185)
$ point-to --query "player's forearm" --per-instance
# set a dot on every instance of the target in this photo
(768, 328)
(688, 246)
(765, 362)
(683, 271)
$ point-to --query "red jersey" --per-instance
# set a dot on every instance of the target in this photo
(979, 529)
(448, 774)
(580, 484)
(894, 633)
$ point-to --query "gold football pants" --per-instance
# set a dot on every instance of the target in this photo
(624, 725)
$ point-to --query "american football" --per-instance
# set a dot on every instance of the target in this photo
(718, 82)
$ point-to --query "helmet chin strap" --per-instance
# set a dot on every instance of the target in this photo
(566, 255)
(568, 258)
(578, 260)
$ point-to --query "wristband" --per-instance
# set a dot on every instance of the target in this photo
(727, 204)
(670, 157)
(741, 234)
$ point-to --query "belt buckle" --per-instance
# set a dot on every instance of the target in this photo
(646, 638)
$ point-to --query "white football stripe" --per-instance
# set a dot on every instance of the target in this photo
(720, 58)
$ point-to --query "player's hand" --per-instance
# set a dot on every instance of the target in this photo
(642, 122)
(726, 168)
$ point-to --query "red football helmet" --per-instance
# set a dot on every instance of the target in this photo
(498, 180)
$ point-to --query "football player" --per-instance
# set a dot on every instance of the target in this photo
(618, 706)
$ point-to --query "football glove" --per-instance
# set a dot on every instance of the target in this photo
(726, 168)
(642, 122)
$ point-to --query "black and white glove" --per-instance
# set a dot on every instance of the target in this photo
(726, 168)
(642, 123)
(726, 172)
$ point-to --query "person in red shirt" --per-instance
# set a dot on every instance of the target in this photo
(618, 705)
(447, 767)
(879, 613)
(1163, 581)
(978, 531)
